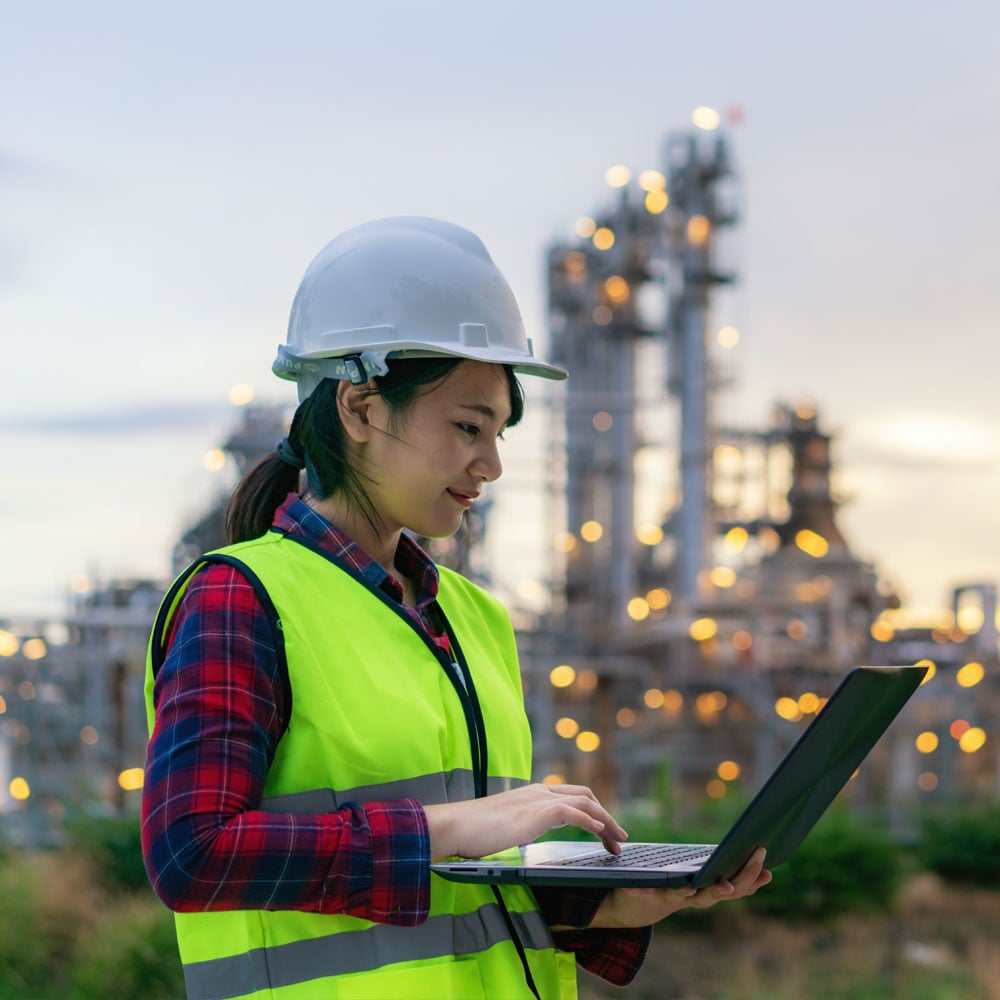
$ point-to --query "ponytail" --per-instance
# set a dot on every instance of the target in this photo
(258, 495)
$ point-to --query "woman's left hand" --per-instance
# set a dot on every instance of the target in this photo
(639, 907)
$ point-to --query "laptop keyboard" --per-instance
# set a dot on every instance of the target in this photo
(637, 856)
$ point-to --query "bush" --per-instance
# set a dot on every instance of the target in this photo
(963, 845)
(131, 953)
(47, 900)
(24, 952)
(113, 845)
(841, 867)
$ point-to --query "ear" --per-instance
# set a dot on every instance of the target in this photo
(354, 406)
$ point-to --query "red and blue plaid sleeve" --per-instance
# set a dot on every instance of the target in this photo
(220, 710)
(614, 955)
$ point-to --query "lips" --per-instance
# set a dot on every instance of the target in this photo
(465, 499)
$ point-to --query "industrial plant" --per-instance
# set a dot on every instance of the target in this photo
(701, 601)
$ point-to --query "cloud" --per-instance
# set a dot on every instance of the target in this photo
(898, 461)
(923, 440)
(122, 421)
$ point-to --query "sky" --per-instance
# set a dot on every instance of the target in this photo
(167, 172)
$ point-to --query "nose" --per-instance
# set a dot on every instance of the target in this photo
(487, 465)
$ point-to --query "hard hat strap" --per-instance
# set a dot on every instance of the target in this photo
(355, 368)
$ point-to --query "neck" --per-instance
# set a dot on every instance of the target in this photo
(380, 545)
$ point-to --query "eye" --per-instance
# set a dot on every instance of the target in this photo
(471, 429)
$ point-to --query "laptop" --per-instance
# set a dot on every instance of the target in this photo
(806, 781)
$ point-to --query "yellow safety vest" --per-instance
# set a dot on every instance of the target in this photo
(378, 713)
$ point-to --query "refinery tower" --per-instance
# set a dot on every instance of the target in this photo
(702, 598)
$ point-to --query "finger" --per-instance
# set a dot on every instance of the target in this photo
(747, 880)
(569, 790)
(559, 814)
(588, 801)
(685, 892)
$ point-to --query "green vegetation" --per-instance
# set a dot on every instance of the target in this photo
(841, 867)
(850, 914)
(963, 844)
(113, 845)
(75, 926)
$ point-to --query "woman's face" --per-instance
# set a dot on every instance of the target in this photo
(429, 464)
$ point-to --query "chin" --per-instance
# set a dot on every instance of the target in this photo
(437, 532)
(438, 529)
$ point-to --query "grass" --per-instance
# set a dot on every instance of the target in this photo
(66, 933)
(938, 943)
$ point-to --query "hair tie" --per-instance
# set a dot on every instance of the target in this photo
(287, 453)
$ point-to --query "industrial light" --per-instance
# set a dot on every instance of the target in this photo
(656, 202)
(970, 675)
(658, 598)
(972, 739)
(567, 728)
(604, 238)
(34, 649)
(728, 770)
(652, 180)
(649, 534)
(728, 337)
(812, 543)
(130, 779)
(8, 643)
(654, 698)
(617, 290)
(702, 629)
(19, 789)
(638, 609)
(617, 176)
(705, 118)
(214, 459)
(240, 395)
(562, 676)
(698, 228)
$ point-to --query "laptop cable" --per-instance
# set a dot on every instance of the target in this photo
(512, 930)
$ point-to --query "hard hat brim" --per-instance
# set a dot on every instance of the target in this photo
(522, 364)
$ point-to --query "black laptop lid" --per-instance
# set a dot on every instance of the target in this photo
(816, 768)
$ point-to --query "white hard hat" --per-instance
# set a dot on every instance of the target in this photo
(402, 287)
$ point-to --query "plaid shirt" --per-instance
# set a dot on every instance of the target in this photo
(221, 707)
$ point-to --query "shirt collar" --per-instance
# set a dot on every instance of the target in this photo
(297, 519)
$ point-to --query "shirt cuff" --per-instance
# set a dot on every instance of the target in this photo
(400, 890)
(614, 955)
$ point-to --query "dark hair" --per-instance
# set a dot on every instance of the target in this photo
(318, 436)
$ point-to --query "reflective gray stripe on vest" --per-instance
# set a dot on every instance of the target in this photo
(360, 951)
(428, 789)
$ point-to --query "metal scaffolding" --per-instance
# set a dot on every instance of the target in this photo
(706, 632)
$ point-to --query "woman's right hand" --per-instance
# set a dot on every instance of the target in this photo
(474, 828)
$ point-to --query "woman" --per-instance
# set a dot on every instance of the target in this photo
(330, 711)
